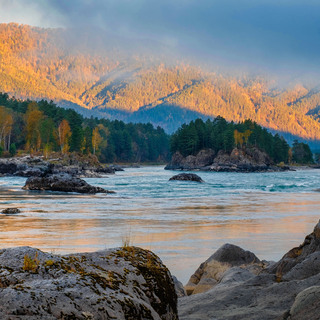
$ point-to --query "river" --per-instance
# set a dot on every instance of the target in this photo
(182, 222)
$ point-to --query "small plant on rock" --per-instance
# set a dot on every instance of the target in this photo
(31, 264)
(49, 263)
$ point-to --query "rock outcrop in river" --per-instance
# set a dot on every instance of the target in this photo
(61, 182)
(186, 177)
(246, 288)
(10, 211)
(123, 283)
(239, 160)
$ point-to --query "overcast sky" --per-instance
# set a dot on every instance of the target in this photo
(271, 34)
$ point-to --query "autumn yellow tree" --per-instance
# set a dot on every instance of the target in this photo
(6, 122)
(33, 120)
(96, 139)
(64, 133)
(246, 136)
(241, 138)
(104, 132)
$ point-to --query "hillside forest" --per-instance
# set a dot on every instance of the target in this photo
(102, 81)
(43, 128)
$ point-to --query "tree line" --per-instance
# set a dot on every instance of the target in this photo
(219, 134)
(43, 128)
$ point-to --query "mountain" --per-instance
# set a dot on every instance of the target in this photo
(110, 81)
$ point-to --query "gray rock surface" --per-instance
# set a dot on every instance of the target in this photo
(302, 261)
(211, 272)
(63, 183)
(248, 160)
(123, 283)
(181, 292)
(186, 177)
(306, 305)
(202, 159)
(72, 164)
(286, 290)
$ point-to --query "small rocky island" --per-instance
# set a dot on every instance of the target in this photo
(238, 160)
(219, 145)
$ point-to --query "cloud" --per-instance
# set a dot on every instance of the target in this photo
(32, 12)
(264, 34)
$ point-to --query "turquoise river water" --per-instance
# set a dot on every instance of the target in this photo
(182, 222)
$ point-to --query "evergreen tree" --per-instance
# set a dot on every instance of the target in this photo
(301, 153)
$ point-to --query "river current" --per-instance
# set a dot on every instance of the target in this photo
(182, 222)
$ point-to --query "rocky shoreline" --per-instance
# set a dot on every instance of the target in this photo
(62, 174)
(133, 283)
(73, 164)
(235, 284)
(239, 160)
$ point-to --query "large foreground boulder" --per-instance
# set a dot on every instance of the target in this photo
(287, 290)
(123, 283)
(306, 305)
(63, 183)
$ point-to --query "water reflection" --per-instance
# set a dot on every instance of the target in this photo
(183, 223)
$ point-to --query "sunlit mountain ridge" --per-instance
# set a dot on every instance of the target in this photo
(109, 81)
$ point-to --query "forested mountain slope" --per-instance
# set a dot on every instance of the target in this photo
(40, 63)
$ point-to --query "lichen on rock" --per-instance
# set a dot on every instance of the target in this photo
(122, 283)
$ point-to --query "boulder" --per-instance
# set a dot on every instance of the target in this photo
(25, 167)
(202, 159)
(10, 211)
(121, 283)
(62, 182)
(300, 262)
(213, 269)
(180, 291)
(242, 160)
(8, 167)
(116, 167)
(176, 162)
(186, 177)
(106, 170)
(287, 290)
(306, 305)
